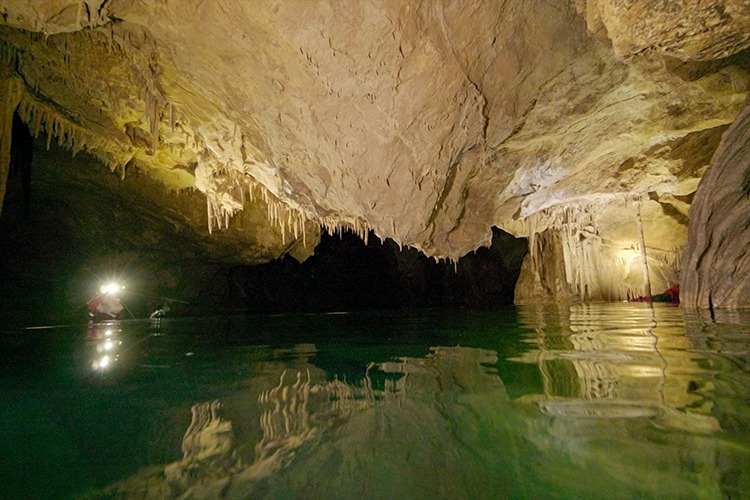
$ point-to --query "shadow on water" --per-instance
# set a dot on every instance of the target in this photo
(590, 400)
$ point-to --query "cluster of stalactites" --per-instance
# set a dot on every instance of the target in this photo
(41, 118)
(572, 233)
(226, 190)
(224, 187)
(335, 225)
(289, 220)
(566, 241)
(45, 120)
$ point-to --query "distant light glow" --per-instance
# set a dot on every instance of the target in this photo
(108, 345)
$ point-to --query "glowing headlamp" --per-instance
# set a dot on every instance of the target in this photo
(111, 288)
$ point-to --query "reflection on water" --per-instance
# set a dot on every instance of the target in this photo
(296, 411)
(639, 399)
(105, 340)
(616, 401)
(637, 366)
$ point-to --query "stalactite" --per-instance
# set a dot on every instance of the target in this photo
(533, 248)
(8, 56)
(49, 136)
(152, 114)
(171, 116)
(209, 215)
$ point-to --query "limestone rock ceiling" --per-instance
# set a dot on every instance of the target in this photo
(426, 122)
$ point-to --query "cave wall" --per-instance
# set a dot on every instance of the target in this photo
(426, 123)
(716, 265)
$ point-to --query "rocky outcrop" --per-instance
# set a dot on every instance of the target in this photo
(690, 30)
(428, 123)
(716, 267)
(588, 178)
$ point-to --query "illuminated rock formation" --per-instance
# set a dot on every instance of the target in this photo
(428, 123)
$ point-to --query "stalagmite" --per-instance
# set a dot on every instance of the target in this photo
(10, 89)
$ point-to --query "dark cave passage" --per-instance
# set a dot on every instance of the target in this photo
(347, 274)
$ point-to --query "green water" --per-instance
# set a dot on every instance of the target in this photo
(585, 401)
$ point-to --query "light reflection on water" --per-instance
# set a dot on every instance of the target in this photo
(590, 400)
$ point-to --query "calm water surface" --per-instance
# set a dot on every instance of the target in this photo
(585, 401)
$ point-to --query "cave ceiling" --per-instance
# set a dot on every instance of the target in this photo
(425, 122)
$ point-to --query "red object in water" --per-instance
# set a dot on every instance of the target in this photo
(93, 303)
(104, 307)
(671, 296)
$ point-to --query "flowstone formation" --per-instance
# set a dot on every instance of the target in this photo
(582, 125)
